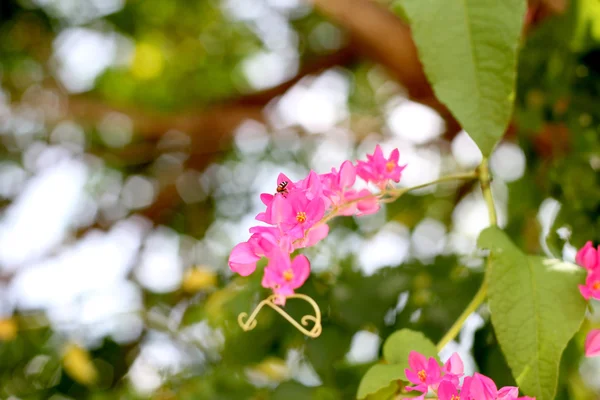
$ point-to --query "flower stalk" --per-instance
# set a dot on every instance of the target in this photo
(485, 180)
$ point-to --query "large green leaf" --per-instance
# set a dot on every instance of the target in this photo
(469, 52)
(395, 351)
(536, 309)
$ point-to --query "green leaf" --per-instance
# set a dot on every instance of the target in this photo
(469, 51)
(379, 377)
(536, 309)
(395, 351)
(400, 343)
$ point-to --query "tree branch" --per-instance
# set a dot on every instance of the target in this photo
(382, 36)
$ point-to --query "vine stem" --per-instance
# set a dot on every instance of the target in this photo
(485, 180)
(391, 194)
(457, 326)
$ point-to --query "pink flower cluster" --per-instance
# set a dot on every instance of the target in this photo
(296, 217)
(427, 376)
(589, 258)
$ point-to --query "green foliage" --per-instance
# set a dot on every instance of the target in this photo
(469, 51)
(536, 309)
(395, 352)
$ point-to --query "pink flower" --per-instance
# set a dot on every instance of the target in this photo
(453, 369)
(588, 257)
(283, 188)
(508, 393)
(313, 236)
(337, 184)
(243, 259)
(448, 391)
(423, 373)
(592, 286)
(297, 213)
(592, 343)
(380, 170)
(311, 186)
(478, 387)
(368, 203)
(284, 275)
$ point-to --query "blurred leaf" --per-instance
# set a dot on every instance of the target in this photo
(376, 382)
(469, 52)
(199, 278)
(533, 324)
(78, 364)
(8, 329)
(399, 345)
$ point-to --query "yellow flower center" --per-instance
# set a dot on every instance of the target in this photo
(389, 166)
(422, 375)
(288, 275)
(455, 397)
(301, 217)
(596, 285)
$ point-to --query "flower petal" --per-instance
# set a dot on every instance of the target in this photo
(446, 391)
(301, 269)
(417, 361)
(592, 343)
(454, 365)
(242, 259)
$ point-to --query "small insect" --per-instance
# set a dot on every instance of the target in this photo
(282, 188)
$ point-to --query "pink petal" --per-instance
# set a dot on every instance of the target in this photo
(301, 269)
(433, 371)
(281, 210)
(270, 278)
(585, 292)
(412, 376)
(347, 174)
(592, 343)
(242, 259)
(417, 361)
(446, 390)
(316, 234)
(508, 393)
(454, 365)
(266, 198)
(483, 388)
(284, 291)
(283, 178)
(395, 156)
(364, 171)
(588, 257)
(378, 157)
(315, 210)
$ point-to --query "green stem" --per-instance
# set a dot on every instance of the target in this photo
(471, 308)
(485, 180)
(395, 193)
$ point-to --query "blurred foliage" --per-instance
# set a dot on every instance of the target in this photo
(189, 55)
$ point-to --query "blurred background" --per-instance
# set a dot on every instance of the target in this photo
(137, 135)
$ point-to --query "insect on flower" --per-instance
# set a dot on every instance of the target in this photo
(282, 188)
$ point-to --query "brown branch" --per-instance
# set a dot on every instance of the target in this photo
(211, 124)
(383, 37)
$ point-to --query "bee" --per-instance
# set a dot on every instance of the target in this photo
(282, 188)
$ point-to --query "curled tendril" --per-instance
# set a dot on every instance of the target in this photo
(248, 323)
